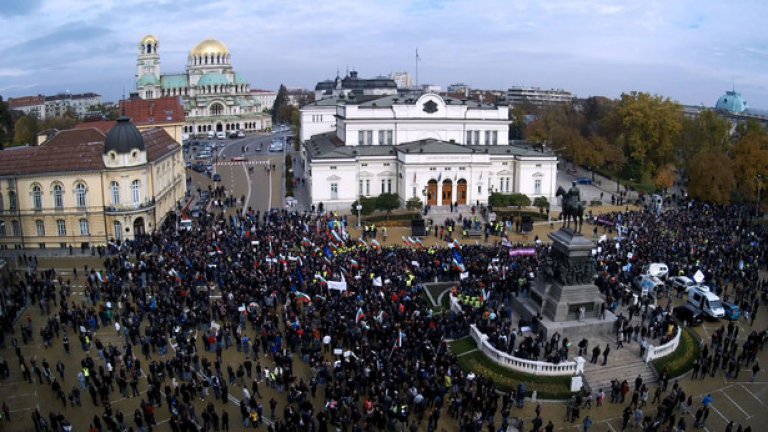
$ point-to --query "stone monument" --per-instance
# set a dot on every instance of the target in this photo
(563, 296)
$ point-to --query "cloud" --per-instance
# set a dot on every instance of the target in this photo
(17, 8)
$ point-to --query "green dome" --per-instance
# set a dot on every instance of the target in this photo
(240, 80)
(731, 102)
(147, 80)
(213, 78)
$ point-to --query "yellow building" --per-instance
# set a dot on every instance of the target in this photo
(82, 188)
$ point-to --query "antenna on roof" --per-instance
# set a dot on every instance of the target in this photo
(122, 103)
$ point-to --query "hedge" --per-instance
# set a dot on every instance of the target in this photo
(681, 360)
(463, 345)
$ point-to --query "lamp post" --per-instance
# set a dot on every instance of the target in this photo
(358, 208)
(759, 178)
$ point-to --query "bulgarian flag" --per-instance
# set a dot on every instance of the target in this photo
(375, 244)
(353, 264)
(359, 316)
(321, 279)
(407, 241)
(302, 297)
(306, 242)
(362, 242)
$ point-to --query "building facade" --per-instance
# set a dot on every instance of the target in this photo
(29, 105)
(440, 150)
(83, 188)
(42, 107)
(537, 96)
(354, 85)
(402, 80)
(264, 98)
(216, 98)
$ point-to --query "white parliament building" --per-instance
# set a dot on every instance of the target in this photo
(216, 98)
(439, 149)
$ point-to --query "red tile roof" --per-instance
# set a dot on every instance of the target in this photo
(103, 125)
(154, 111)
(78, 149)
(26, 101)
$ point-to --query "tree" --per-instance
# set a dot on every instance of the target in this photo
(25, 130)
(711, 177)
(6, 123)
(648, 127)
(414, 204)
(750, 158)
(388, 202)
(369, 205)
(519, 200)
(708, 131)
(280, 100)
(541, 203)
(666, 177)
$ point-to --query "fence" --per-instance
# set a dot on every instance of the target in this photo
(532, 367)
(665, 349)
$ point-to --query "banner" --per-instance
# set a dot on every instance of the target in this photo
(339, 286)
(605, 222)
(522, 252)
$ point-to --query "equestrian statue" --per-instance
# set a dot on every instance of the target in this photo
(573, 209)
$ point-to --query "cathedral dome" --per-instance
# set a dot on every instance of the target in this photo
(208, 47)
(149, 39)
(123, 138)
(731, 102)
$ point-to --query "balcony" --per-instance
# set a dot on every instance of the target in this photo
(124, 209)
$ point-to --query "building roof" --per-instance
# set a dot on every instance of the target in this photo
(239, 79)
(171, 81)
(731, 102)
(209, 46)
(409, 99)
(148, 39)
(124, 138)
(147, 79)
(75, 150)
(167, 109)
(213, 78)
(26, 101)
(101, 125)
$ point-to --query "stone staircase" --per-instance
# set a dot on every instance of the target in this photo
(623, 364)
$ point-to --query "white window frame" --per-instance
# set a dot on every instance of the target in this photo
(136, 192)
(84, 227)
(114, 188)
(537, 186)
(58, 196)
(81, 193)
(40, 227)
(61, 227)
(37, 197)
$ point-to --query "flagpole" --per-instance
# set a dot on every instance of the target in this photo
(417, 67)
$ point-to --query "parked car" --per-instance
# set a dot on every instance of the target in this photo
(681, 284)
(660, 270)
(647, 284)
(688, 314)
(732, 311)
(221, 135)
(217, 177)
(584, 180)
(198, 168)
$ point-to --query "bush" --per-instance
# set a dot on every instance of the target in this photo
(513, 200)
(460, 346)
(414, 204)
(680, 361)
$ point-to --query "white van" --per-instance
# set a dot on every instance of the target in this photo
(707, 301)
(185, 225)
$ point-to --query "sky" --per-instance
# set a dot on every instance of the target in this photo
(688, 50)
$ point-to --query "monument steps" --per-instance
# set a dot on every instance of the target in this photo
(623, 364)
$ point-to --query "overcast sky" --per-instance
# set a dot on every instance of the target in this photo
(689, 50)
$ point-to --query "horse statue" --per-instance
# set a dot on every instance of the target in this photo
(573, 209)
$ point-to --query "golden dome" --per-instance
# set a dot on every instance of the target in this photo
(210, 46)
(148, 39)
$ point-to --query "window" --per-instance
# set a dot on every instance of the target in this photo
(369, 137)
(537, 187)
(61, 227)
(501, 184)
(383, 182)
(118, 230)
(365, 164)
(12, 200)
(469, 137)
(136, 191)
(16, 227)
(80, 200)
(381, 137)
(487, 137)
(508, 188)
(360, 188)
(367, 187)
(495, 137)
(360, 137)
(333, 167)
(40, 225)
(115, 189)
(389, 185)
(37, 197)
(2, 205)
(84, 227)
(386, 164)
(2, 228)
(58, 197)
(390, 135)
(334, 191)
(477, 137)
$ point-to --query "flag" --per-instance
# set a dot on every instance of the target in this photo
(321, 279)
(406, 241)
(400, 340)
(362, 242)
(302, 297)
(375, 244)
(377, 281)
(353, 264)
(359, 316)
(306, 242)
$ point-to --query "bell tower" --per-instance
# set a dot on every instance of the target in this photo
(148, 68)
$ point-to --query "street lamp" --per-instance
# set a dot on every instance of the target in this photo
(358, 208)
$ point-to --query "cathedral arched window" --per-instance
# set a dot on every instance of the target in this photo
(217, 109)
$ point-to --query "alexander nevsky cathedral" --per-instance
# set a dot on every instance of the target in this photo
(216, 98)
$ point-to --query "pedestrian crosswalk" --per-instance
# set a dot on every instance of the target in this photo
(249, 162)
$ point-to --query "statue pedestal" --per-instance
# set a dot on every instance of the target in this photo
(564, 296)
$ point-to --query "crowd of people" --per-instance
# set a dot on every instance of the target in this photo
(196, 323)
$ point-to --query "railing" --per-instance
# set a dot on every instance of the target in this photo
(532, 367)
(129, 207)
(665, 349)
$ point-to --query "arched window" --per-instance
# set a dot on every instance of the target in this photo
(37, 197)
(80, 195)
(217, 109)
(118, 227)
(58, 197)
(115, 189)
(84, 229)
(136, 191)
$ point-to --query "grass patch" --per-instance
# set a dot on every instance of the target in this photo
(680, 361)
(506, 380)
(465, 344)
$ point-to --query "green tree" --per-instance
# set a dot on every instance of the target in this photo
(6, 124)
(708, 131)
(711, 177)
(280, 100)
(648, 127)
(25, 130)
(369, 205)
(541, 203)
(388, 202)
(414, 204)
(519, 200)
